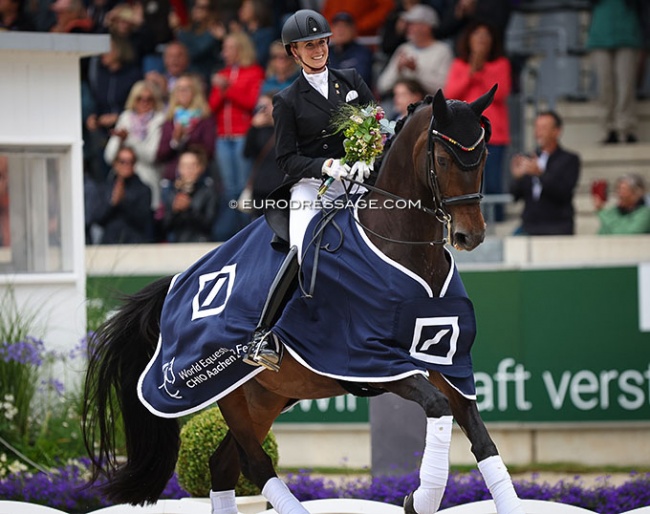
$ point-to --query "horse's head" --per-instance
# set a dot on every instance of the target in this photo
(453, 152)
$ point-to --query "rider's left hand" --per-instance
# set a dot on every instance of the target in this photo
(360, 171)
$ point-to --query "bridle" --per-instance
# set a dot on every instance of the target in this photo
(439, 202)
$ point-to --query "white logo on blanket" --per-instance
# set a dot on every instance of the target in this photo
(208, 301)
(435, 339)
(169, 378)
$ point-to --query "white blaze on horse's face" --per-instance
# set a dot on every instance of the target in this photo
(467, 222)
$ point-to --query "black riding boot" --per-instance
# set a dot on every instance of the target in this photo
(265, 348)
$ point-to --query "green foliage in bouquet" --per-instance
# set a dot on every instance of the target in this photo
(200, 437)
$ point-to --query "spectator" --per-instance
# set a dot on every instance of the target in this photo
(188, 122)
(190, 202)
(203, 39)
(546, 181)
(71, 17)
(480, 64)
(457, 14)
(393, 32)
(281, 71)
(369, 15)
(421, 57)
(260, 145)
(110, 79)
(405, 93)
(235, 90)
(255, 17)
(139, 127)
(345, 52)
(631, 214)
(156, 32)
(124, 213)
(122, 24)
(176, 62)
(97, 11)
(615, 41)
(13, 16)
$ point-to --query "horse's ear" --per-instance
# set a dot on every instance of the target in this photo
(483, 102)
(440, 111)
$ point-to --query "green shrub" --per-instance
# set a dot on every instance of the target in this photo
(200, 437)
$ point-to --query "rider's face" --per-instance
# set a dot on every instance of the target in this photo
(313, 53)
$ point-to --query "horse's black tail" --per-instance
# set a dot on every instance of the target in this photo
(118, 353)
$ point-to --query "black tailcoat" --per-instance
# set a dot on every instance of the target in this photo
(304, 136)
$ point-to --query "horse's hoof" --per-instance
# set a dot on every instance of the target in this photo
(408, 504)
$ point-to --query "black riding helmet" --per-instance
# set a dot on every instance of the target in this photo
(304, 25)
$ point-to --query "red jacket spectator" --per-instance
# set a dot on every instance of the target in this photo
(463, 85)
(233, 104)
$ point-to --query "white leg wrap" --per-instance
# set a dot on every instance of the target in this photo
(223, 502)
(435, 466)
(283, 501)
(499, 483)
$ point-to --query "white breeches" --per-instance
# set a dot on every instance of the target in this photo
(304, 207)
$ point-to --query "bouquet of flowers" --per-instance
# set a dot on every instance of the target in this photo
(365, 129)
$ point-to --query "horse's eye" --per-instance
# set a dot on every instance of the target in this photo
(442, 161)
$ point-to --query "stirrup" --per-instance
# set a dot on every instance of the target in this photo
(408, 504)
(264, 350)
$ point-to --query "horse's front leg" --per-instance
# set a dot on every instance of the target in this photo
(487, 456)
(434, 469)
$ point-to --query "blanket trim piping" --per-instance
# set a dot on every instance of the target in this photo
(399, 266)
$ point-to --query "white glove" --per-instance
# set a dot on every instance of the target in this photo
(333, 168)
(361, 171)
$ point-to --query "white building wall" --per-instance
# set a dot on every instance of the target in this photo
(40, 106)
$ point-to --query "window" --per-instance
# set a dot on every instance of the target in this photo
(35, 225)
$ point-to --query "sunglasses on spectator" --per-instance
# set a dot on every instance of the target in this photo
(144, 98)
(126, 161)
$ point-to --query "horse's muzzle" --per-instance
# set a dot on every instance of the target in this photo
(463, 241)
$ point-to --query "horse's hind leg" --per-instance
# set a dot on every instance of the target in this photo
(249, 415)
(434, 469)
(487, 456)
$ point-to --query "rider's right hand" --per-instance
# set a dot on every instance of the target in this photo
(335, 169)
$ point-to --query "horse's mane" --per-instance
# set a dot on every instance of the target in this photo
(398, 127)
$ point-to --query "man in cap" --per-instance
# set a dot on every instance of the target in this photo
(422, 57)
(345, 52)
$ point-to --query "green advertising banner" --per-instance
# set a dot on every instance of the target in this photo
(553, 345)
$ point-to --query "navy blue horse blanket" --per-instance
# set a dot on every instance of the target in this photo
(368, 318)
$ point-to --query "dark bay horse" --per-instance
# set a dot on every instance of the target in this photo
(436, 158)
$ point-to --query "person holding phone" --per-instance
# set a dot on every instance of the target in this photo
(187, 123)
(631, 214)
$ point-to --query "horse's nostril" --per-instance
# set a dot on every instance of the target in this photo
(460, 239)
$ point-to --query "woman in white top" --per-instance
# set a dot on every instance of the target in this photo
(139, 127)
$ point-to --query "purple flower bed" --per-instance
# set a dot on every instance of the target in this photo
(470, 487)
(65, 489)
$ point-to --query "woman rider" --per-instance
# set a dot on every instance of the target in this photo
(308, 151)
